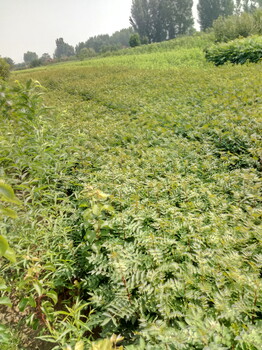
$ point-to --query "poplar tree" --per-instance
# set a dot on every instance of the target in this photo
(140, 18)
(160, 20)
(247, 5)
(209, 10)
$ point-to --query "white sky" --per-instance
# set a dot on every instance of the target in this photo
(34, 25)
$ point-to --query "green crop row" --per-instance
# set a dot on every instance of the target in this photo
(238, 51)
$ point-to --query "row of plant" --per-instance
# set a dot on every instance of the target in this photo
(30, 154)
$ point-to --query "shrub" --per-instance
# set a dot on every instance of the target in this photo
(238, 51)
(233, 27)
(4, 69)
(135, 40)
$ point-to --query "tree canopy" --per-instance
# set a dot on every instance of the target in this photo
(30, 57)
(160, 20)
(63, 49)
(247, 5)
(210, 10)
(9, 61)
(105, 42)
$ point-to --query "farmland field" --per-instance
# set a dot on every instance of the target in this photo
(140, 190)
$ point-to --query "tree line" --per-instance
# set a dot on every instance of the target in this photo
(159, 20)
(64, 51)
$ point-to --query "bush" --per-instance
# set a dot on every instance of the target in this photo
(233, 27)
(135, 40)
(238, 51)
(4, 69)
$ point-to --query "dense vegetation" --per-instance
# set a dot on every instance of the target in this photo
(141, 210)
(106, 43)
(238, 51)
(237, 26)
(4, 69)
(160, 20)
(210, 10)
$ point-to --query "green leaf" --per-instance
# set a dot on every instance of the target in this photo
(7, 193)
(6, 190)
(96, 209)
(31, 301)
(8, 212)
(3, 286)
(79, 345)
(5, 301)
(52, 295)
(22, 304)
(38, 289)
(10, 255)
(3, 245)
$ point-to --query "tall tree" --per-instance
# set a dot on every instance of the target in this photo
(140, 18)
(30, 57)
(63, 49)
(161, 19)
(247, 5)
(209, 10)
(180, 17)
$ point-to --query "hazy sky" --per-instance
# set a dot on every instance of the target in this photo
(34, 25)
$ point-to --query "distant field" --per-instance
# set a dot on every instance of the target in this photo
(181, 52)
(144, 191)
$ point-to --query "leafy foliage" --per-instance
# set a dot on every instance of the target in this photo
(4, 69)
(161, 20)
(10, 62)
(86, 53)
(210, 10)
(198, 40)
(247, 5)
(142, 212)
(63, 49)
(106, 43)
(134, 40)
(238, 51)
(29, 57)
(184, 51)
(7, 196)
(233, 27)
